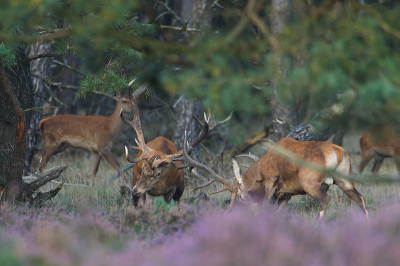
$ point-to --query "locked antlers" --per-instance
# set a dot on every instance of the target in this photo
(189, 162)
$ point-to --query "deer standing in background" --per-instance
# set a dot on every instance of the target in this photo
(383, 143)
(94, 133)
(156, 172)
(275, 178)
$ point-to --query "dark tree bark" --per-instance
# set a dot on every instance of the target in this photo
(303, 132)
(66, 76)
(280, 12)
(38, 67)
(183, 110)
(196, 12)
(16, 95)
(338, 138)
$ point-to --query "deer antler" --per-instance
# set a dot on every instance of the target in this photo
(250, 155)
(206, 128)
(189, 162)
(135, 124)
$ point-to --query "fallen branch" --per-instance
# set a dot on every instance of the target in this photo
(30, 191)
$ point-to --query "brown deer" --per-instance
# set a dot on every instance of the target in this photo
(156, 172)
(275, 178)
(93, 133)
(383, 143)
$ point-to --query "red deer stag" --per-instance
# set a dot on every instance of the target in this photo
(383, 143)
(275, 178)
(156, 171)
(93, 133)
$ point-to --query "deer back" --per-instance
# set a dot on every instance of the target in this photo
(89, 132)
(93, 132)
(272, 167)
(384, 141)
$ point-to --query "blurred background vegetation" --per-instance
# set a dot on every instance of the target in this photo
(331, 63)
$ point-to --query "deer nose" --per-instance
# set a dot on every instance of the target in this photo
(135, 193)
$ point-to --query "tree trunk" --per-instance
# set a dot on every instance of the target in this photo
(338, 138)
(16, 95)
(183, 110)
(196, 13)
(38, 67)
(280, 12)
(63, 75)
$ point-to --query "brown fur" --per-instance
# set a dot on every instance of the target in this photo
(170, 184)
(280, 179)
(383, 142)
(94, 133)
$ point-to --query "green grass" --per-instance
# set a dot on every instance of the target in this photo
(105, 195)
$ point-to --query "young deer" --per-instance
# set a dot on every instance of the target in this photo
(384, 143)
(93, 133)
(156, 172)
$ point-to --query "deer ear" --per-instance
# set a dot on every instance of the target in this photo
(236, 171)
(118, 94)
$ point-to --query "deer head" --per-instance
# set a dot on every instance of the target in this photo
(157, 165)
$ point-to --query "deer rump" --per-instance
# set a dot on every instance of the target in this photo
(293, 179)
(171, 184)
(282, 179)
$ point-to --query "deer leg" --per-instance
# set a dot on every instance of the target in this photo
(135, 199)
(169, 195)
(366, 157)
(48, 152)
(282, 202)
(377, 164)
(106, 153)
(95, 166)
(179, 191)
(315, 191)
(348, 188)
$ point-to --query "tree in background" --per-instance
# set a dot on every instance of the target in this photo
(330, 62)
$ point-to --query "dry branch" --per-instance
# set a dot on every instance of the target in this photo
(248, 143)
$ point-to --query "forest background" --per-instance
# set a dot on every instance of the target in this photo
(275, 64)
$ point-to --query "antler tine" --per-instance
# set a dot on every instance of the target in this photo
(189, 162)
(136, 160)
(135, 123)
(250, 155)
(130, 83)
(205, 130)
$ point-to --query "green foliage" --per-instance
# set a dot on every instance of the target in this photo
(323, 52)
(7, 58)
(106, 82)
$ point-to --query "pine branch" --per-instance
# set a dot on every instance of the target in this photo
(71, 87)
(69, 67)
(41, 56)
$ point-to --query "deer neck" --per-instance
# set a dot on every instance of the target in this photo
(115, 121)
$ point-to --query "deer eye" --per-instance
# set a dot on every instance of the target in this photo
(158, 174)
